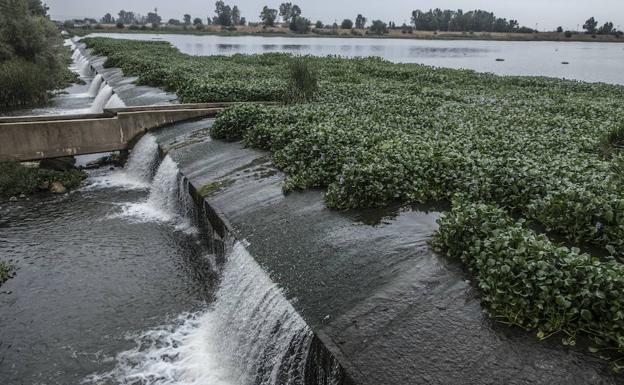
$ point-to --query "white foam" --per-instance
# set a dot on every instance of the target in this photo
(250, 335)
(104, 94)
(115, 102)
(95, 86)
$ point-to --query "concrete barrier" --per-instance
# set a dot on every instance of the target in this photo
(41, 137)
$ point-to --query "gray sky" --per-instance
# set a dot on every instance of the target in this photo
(548, 14)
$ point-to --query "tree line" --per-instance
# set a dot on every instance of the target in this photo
(291, 15)
(33, 60)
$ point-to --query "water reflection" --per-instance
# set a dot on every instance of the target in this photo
(593, 62)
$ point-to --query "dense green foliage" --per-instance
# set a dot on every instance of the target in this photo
(16, 179)
(32, 58)
(528, 281)
(302, 81)
(378, 132)
(5, 272)
(451, 20)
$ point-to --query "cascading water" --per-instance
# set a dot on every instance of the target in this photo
(143, 159)
(83, 65)
(168, 200)
(251, 335)
(115, 102)
(103, 96)
(96, 83)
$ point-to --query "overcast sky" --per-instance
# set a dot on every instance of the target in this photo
(547, 14)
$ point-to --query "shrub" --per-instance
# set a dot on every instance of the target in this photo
(568, 34)
(119, 26)
(528, 281)
(612, 141)
(17, 179)
(233, 123)
(302, 82)
(5, 272)
(22, 83)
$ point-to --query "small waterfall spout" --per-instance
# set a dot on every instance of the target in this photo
(96, 83)
(165, 191)
(83, 65)
(143, 159)
(115, 102)
(103, 96)
(251, 335)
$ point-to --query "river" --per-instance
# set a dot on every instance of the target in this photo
(591, 62)
(120, 282)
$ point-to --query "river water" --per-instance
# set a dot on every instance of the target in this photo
(592, 62)
(117, 283)
(121, 282)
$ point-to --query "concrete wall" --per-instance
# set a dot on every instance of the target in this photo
(34, 138)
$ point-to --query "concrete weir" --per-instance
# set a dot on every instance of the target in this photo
(39, 137)
(388, 309)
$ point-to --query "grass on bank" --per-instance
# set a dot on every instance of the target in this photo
(350, 33)
(377, 133)
(16, 179)
(33, 60)
(5, 272)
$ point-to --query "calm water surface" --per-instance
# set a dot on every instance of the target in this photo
(592, 62)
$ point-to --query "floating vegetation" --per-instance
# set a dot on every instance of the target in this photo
(378, 133)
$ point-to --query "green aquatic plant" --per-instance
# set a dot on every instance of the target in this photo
(378, 132)
(302, 82)
(612, 141)
(5, 272)
(528, 281)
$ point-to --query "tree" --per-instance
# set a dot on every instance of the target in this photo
(606, 29)
(295, 12)
(378, 27)
(224, 14)
(300, 24)
(173, 22)
(559, 29)
(187, 19)
(319, 24)
(126, 17)
(108, 19)
(347, 24)
(285, 11)
(197, 22)
(243, 21)
(590, 25)
(288, 12)
(153, 18)
(268, 16)
(360, 22)
(236, 16)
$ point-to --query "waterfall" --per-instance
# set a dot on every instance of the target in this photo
(103, 96)
(96, 83)
(76, 54)
(168, 200)
(250, 335)
(83, 65)
(143, 159)
(115, 102)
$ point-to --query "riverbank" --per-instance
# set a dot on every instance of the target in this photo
(18, 181)
(354, 33)
(379, 133)
(5, 272)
